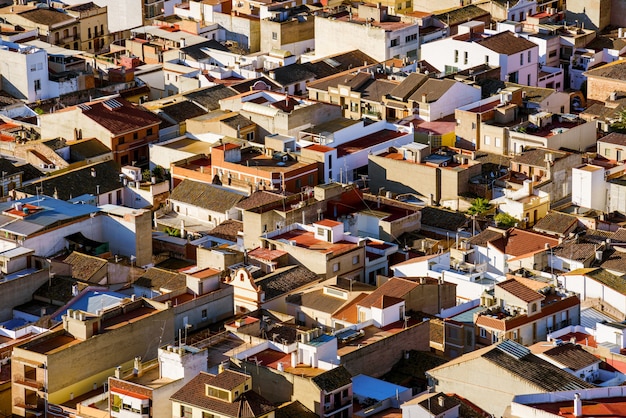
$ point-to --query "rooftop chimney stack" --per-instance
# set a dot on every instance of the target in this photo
(578, 405)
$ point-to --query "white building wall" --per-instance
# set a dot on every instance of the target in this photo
(588, 288)
(606, 333)
(588, 188)
(21, 70)
(443, 53)
(459, 94)
(617, 197)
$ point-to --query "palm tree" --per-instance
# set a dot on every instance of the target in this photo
(479, 206)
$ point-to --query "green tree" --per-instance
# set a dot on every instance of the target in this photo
(479, 206)
(620, 124)
(504, 220)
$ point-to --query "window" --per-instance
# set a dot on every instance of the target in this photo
(456, 55)
(336, 267)
(37, 85)
(320, 231)
(408, 4)
(473, 125)
(246, 387)
(528, 80)
(483, 333)
(494, 337)
(120, 141)
(411, 38)
(88, 32)
(521, 59)
(150, 131)
(529, 57)
(487, 140)
(185, 411)
(498, 142)
(312, 178)
(101, 29)
(486, 59)
(465, 57)
(298, 184)
(552, 53)
(135, 135)
(207, 415)
(126, 406)
(250, 136)
(356, 259)
(399, 6)
(89, 45)
(33, 67)
(533, 307)
(394, 42)
(204, 314)
(274, 36)
(344, 393)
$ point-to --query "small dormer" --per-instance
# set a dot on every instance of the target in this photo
(228, 386)
(328, 230)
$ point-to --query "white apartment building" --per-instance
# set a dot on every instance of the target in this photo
(517, 57)
(24, 72)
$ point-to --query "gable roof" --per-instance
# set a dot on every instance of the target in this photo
(460, 15)
(71, 184)
(443, 218)
(249, 404)
(317, 300)
(205, 196)
(433, 89)
(291, 74)
(408, 86)
(284, 280)
(389, 293)
(518, 242)
(603, 276)
(340, 62)
(209, 97)
(333, 379)
(537, 157)
(488, 235)
(557, 223)
(517, 360)
(614, 260)
(48, 17)
(615, 70)
(84, 266)
(126, 118)
(614, 138)
(506, 43)
(572, 356)
(520, 290)
(161, 279)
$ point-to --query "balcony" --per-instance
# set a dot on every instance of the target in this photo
(28, 382)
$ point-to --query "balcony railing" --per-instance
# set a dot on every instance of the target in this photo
(25, 381)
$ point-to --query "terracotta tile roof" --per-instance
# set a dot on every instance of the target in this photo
(160, 279)
(533, 369)
(518, 242)
(537, 157)
(557, 223)
(507, 43)
(227, 230)
(619, 235)
(578, 251)
(443, 218)
(327, 222)
(294, 410)
(87, 148)
(74, 183)
(317, 300)
(84, 266)
(433, 89)
(349, 312)
(285, 280)
(615, 260)
(126, 118)
(394, 289)
(614, 138)
(461, 15)
(49, 17)
(615, 70)
(258, 199)
(249, 404)
(333, 379)
(520, 290)
(572, 356)
(205, 196)
(488, 235)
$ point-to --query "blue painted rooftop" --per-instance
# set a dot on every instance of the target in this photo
(467, 317)
(54, 210)
(14, 323)
(322, 339)
(92, 301)
(370, 387)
